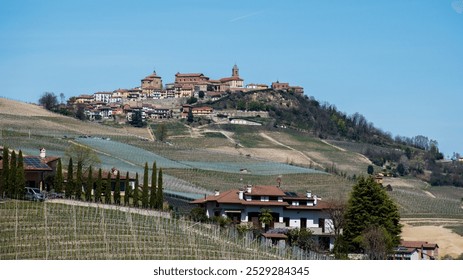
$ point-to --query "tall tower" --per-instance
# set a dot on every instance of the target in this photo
(235, 71)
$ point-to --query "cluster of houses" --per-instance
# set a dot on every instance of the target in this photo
(123, 102)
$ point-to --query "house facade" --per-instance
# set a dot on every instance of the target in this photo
(289, 210)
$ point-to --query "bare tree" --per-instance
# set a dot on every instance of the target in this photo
(84, 155)
(376, 242)
(48, 100)
(336, 213)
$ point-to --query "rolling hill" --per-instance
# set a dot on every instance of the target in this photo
(199, 159)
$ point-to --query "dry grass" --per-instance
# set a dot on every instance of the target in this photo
(29, 118)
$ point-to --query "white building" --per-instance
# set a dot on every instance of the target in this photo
(289, 210)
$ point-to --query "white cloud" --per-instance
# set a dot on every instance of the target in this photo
(458, 6)
(249, 15)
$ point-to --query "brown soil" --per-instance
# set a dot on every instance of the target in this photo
(449, 242)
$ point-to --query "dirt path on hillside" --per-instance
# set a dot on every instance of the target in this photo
(449, 242)
(273, 140)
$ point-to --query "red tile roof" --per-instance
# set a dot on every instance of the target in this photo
(223, 80)
(232, 197)
(266, 191)
(418, 244)
(189, 74)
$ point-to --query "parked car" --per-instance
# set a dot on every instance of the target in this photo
(34, 194)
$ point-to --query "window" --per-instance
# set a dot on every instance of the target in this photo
(264, 198)
(295, 203)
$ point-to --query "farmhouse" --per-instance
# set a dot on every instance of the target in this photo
(37, 169)
(289, 210)
(416, 250)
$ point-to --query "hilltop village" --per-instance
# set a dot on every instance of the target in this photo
(156, 100)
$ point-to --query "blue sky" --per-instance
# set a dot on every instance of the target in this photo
(397, 62)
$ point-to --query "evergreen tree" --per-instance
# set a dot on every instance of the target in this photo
(20, 177)
(144, 190)
(79, 181)
(153, 186)
(12, 176)
(89, 185)
(127, 192)
(107, 190)
(98, 187)
(70, 180)
(159, 195)
(370, 207)
(135, 192)
(117, 189)
(58, 180)
(5, 173)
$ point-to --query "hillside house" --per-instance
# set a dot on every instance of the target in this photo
(289, 210)
(103, 96)
(202, 111)
(37, 169)
(84, 99)
(285, 86)
(415, 250)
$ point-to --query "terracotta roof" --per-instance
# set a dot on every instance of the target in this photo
(418, 244)
(189, 74)
(230, 196)
(266, 191)
(231, 79)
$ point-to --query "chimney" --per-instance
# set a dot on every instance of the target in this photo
(43, 153)
(309, 194)
(216, 193)
(241, 195)
(315, 199)
(249, 189)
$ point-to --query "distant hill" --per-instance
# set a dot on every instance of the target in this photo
(305, 113)
(418, 155)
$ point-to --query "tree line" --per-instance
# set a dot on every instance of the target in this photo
(108, 190)
(99, 188)
(13, 178)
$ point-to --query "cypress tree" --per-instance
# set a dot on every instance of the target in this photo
(5, 173)
(135, 191)
(79, 181)
(117, 189)
(89, 185)
(370, 206)
(58, 181)
(160, 195)
(99, 187)
(107, 190)
(20, 177)
(127, 190)
(144, 190)
(70, 180)
(12, 176)
(153, 186)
